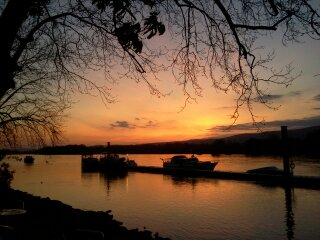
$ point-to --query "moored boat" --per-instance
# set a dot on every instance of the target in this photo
(28, 159)
(106, 162)
(190, 163)
(271, 170)
(110, 161)
(89, 163)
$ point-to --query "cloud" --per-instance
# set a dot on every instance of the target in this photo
(237, 127)
(292, 123)
(149, 124)
(316, 98)
(266, 98)
(297, 123)
(294, 94)
(143, 123)
(122, 124)
(224, 108)
(271, 97)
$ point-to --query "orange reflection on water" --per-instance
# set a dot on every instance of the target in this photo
(177, 207)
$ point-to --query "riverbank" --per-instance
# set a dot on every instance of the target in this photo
(51, 219)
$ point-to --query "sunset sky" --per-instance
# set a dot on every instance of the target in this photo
(139, 117)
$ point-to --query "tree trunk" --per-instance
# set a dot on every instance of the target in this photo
(11, 20)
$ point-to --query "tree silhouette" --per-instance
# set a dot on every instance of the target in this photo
(56, 43)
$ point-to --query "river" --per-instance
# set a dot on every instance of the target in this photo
(182, 208)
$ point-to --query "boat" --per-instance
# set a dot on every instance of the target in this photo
(28, 159)
(89, 163)
(111, 161)
(272, 170)
(106, 162)
(190, 163)
(131, 163)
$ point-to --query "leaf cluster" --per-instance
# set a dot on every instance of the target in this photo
(127, 28)
(152, 26)
(128, 36)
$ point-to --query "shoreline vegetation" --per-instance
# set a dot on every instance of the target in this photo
(52, 219)
(302, 142)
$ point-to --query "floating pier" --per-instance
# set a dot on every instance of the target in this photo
(311, 182)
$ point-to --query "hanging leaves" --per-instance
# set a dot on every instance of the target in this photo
(128, 36)
(152, 26)
(129, 33)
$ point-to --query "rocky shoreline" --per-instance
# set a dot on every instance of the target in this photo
(51, 219)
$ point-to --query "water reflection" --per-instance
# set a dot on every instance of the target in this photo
(289, 197)
(289, 207)
(180, 207)
(183, 181)
(113, 178)
(109, 180)
(88, 176)
(289, 218)
(179, 180)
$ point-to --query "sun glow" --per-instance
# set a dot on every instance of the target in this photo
(137, 116)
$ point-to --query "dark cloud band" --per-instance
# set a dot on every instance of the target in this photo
(292, 123)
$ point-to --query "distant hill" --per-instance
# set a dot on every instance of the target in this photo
(305, 141)
(300, 133)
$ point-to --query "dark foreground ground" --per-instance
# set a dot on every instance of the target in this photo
(51, 219)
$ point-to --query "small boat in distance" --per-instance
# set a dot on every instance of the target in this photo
(272, 170)
(28, 159)
(190, 163)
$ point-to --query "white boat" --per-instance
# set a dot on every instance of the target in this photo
(191, 163)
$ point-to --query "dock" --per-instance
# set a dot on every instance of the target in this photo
(284, 178)
(309, 182)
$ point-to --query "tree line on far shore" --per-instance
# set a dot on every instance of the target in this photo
(309, 146)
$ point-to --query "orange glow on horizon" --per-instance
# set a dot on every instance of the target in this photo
(139, 117)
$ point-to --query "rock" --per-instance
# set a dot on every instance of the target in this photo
(52, 219)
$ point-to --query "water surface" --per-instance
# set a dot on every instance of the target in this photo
(182, 208)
